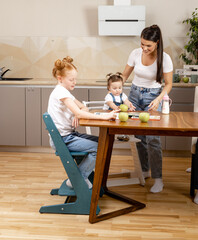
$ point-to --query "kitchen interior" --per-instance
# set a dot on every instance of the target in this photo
(36, 33)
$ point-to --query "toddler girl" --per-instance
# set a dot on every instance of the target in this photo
(115, 96)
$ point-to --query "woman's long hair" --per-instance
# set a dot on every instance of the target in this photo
(153, 33)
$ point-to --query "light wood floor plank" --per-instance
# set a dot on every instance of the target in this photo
(27, 178)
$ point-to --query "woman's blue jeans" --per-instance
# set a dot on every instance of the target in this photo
(77, 142)
(149, 149)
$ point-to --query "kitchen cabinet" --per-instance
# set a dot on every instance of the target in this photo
(45, 93)
(12, 117)
(33, 116)
(22, 107)
(21, 114)
(182, 99)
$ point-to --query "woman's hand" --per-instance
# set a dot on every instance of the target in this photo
(75, 122)
(154, 105)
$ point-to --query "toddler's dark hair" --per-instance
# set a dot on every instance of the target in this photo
(113, 77)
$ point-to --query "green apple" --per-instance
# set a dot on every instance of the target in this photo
(124, 107)
(144, 117)
(185, 79)
(123, 116)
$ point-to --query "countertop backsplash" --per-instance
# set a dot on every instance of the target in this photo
(94, 57)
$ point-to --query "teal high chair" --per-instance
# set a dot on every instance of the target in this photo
(79, 198)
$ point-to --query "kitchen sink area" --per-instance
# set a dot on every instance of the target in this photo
(2, 78)
(14, 79)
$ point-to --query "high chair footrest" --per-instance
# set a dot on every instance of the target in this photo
(64, 190)
(54, 191)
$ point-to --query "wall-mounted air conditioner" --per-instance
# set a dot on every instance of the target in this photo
(121, 20)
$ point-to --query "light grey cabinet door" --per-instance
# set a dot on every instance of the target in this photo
(99, 93)
(182, 99)
(12, 116)
(182, 95)
(33, 116)
(45, 93)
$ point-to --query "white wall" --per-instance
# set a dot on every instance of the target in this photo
(168, 14)
(79, 17)
(34, 33)
(48, 17)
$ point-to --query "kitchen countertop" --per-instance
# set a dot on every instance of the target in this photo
(80, 82)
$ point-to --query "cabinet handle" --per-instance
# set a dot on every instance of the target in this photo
(30, 89)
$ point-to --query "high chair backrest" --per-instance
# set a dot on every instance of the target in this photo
(55, 135)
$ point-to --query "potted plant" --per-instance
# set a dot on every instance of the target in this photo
(190, 54)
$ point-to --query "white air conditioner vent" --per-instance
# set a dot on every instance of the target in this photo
(121, 20)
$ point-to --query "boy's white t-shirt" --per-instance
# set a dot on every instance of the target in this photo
(58, 111)
(145, 76)
(109, 98)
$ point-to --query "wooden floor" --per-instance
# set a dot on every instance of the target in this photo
(27, 178)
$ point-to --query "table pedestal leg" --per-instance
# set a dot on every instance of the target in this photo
(105, 145)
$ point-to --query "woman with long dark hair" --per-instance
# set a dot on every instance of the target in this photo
(150, 65)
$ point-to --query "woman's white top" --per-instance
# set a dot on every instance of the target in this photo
(58, 111)
(145, 76)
